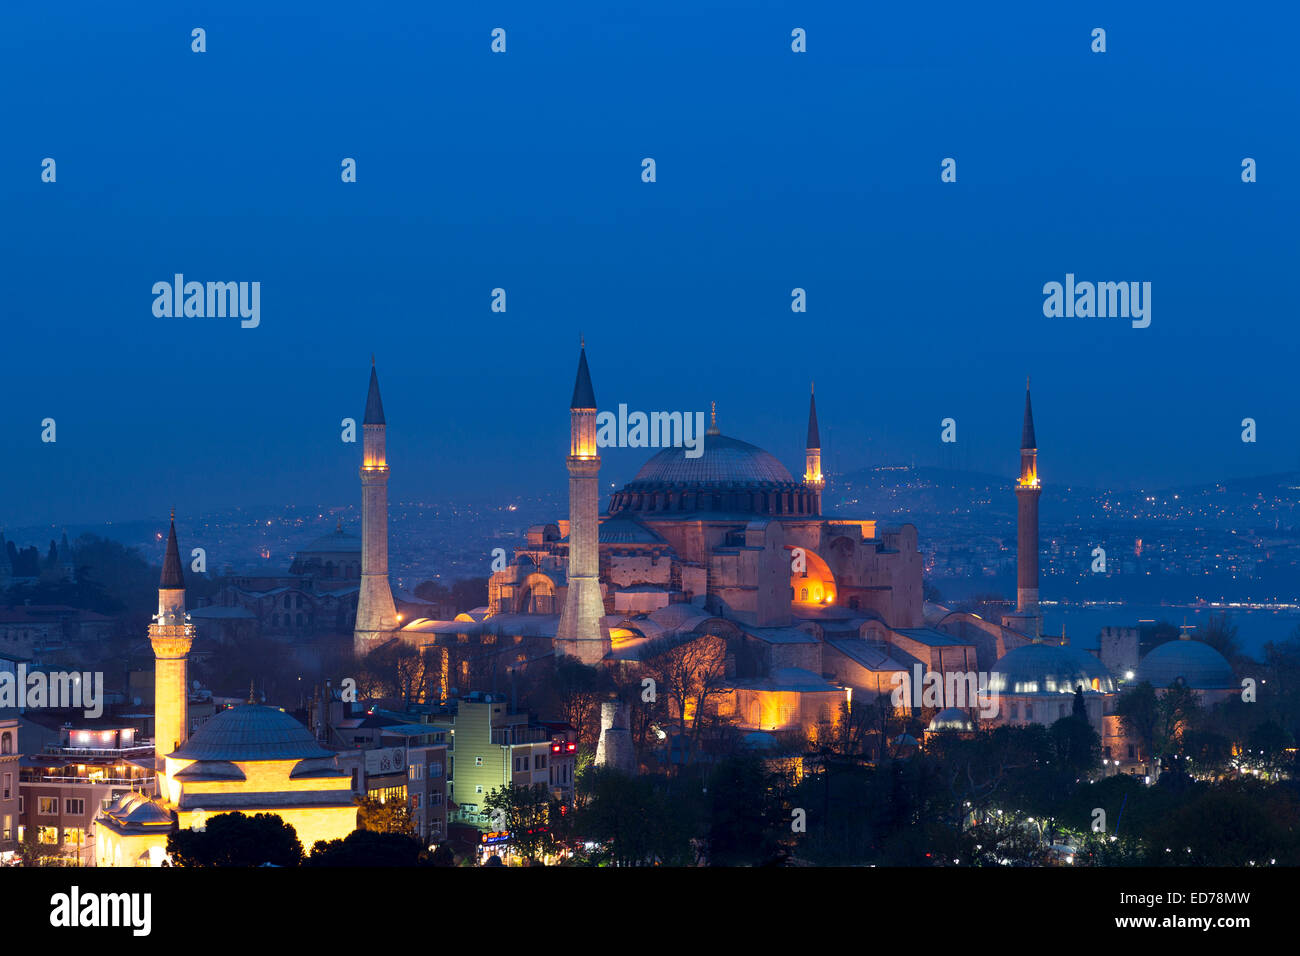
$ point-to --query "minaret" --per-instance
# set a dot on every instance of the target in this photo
(580, 632)
(1028, 489)
(812, 476)
(376, 613)
(171, 638)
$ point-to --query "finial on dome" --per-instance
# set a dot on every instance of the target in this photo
(252, 695)
(582, 341)
(713, 420)
(339, 527)
(372, 359)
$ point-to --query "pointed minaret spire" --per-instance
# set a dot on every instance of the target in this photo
(173, 579)
(583, 394)
(814, 436)
(812, 476)
(581, 631)
(374, 405)
(1027, 439)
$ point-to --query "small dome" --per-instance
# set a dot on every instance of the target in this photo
(951, 719)
(336, 542)
(1199, 666)
(1049, 669)
(251, 732)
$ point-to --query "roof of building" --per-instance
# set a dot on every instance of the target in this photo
(951, 719)
(790, 680)
(251, 732)
(621, 530)
(337, 541)
(1196, 663)
(1041, 668)
(874, 657)
(723, 461)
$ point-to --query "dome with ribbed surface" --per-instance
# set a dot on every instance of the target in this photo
(251, 732)
(724, 460)
(1197, 664)
(1049, 669)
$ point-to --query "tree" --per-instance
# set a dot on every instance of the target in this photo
(384, 816)
(577, 690)
(1137, 711)
(470, 593)
(690, 675)
(525, 813)
(745, 824)
(637, 820)
(1220, 634)
(1078, 748)
(233, 839)
(369, 848)
(1080, 709)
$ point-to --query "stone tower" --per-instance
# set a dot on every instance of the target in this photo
(376, 613)
(1028, 488)
(614, 746)
(171, 637)
(581, 632)
(812, 476)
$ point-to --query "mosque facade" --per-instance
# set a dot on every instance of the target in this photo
(248, 759)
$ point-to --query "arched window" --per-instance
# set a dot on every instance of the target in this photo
(6, 743)
(275, 620)
(300, 620)
(803, 594)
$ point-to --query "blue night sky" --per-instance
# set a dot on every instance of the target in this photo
(522, 171)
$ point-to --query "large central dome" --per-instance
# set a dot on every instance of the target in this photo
(730, 476)
(723, 460)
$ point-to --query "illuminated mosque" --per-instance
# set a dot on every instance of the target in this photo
(725, 546)
(250, 759)
(811, 611)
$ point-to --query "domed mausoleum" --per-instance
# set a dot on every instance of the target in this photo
(1192, 663)
(1036, 683)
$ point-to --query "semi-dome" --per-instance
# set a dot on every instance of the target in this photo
(1049, 669)
(729, 475)
(951, 719)
(251, 732)
(1197, 664)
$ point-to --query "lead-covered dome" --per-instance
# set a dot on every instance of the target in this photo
(1049, 669)
(1197, 664)
(729, 475)
(251, 732)
(723, 460)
